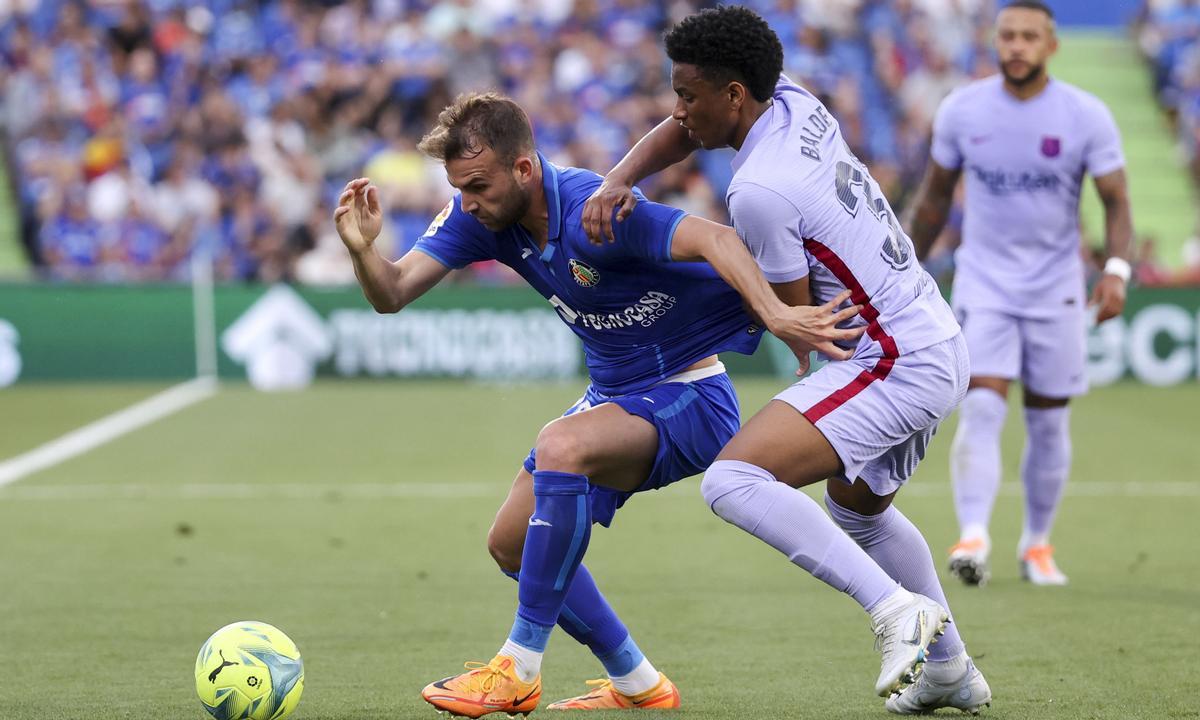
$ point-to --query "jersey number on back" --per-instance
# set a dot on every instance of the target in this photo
(896, 250)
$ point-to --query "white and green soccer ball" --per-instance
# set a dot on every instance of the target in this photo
(249, 671)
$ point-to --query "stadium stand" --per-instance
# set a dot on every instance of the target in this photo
(140, 133)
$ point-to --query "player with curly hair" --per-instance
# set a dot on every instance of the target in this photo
(818, 225)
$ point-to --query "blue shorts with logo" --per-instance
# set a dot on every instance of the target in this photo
(694, 420)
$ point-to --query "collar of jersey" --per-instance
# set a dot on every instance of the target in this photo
(757, 131)
(553, 204)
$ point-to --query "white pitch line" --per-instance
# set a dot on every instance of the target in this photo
(247, 491)
(332, 492)
(106, 429)
(1096, 488)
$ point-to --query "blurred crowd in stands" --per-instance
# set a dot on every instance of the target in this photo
(1168, 36)
(143, 133)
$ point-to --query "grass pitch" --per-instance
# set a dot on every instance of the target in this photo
(354, 517)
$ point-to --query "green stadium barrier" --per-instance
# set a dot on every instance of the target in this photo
(147, 332)
(87, 332)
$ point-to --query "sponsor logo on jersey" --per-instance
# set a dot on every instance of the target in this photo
(584, 275)
(1001, 182)
(439, 219)
(648, 309)
(1051, 146)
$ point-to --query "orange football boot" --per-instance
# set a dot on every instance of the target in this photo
(969, 561)
(1039, 568)
(604, 696)
(483, 689)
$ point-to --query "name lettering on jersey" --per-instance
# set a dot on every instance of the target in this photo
(1001, 182)
(649, 308)
(813, 131)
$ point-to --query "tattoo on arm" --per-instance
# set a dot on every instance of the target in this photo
(1118, 219)
(930, 206)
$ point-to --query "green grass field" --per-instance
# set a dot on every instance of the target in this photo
(354, 517)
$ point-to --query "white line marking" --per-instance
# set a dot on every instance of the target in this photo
(1097, 488)
(106, 429)
(332, 492)
(246, 491)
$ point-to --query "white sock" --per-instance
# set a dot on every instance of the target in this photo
(1044, 469)
(891, 604)
(528, 662)
(948, 670)
(793, 523)
(975, 531)
(898, 546)
(975, 456)
(644, 677)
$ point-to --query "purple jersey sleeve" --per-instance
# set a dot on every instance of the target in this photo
(1103, 154)
(455, 239)
(945, 145)
(772, 229)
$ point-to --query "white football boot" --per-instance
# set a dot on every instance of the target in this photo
(903, 636)
(969, 693)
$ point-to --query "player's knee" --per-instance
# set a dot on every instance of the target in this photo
(722, 479)
(984, 410)
(560, 449)
(504, 551)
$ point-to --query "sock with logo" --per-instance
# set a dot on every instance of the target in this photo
(975, 458)
(1044, 469)
(555, 542)
(794, 524)
(898, 547)
(587, 616)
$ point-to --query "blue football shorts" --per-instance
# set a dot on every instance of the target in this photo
(694, 420)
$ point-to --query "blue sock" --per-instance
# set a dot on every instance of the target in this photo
(587, 617)
(555, 542)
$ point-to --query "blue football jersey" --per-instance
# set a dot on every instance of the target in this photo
(642, 318)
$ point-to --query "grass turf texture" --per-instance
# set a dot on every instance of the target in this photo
(119, 563)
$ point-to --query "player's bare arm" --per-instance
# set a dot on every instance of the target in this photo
(796, 292)
(803, 327)
(927, 213)
(1109, 294)
(388, 286)
(662, 147)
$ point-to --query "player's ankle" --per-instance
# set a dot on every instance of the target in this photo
(891, 604)
(947, 669)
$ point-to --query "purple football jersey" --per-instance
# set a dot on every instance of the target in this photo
(1024, 164)
(805, 205)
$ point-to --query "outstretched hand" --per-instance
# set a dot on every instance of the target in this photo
(805, 328)
(598, 211)
(358, 216)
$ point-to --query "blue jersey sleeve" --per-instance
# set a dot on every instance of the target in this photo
(647, 232)
(455, 239)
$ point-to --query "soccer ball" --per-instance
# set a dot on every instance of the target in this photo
(249, 671)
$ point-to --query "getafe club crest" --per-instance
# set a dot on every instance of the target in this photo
(583, 274)
(1051, 146)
